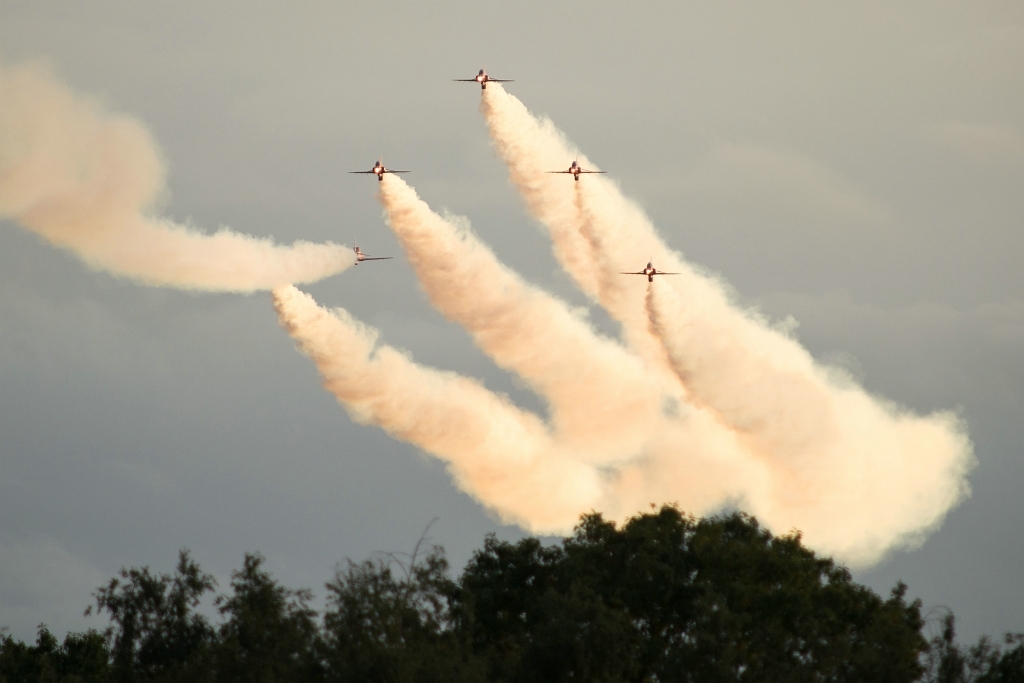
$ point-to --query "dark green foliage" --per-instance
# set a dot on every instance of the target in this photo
(83, 658)
(1006, 666)
(671, 598)
(381, 627)
(157, 634)
(665, 597)
(531, 620)
(947, 662)
(271, 634)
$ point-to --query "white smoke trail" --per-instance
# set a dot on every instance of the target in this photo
(605, 404)
(85, 179)
(501, 455)
(855, 474)
(592, 385)
(579, 215)
(842, 462)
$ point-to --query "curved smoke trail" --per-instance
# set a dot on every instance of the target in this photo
(85, 179)
(507, 458)
(500, 454)
(842, 460)
(856, 474)
(591, 384)
(589, 234)
(796, 457)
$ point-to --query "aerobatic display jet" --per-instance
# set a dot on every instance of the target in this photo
(360, 256)
(575, 169)
(482, 78)
(650, 271)
(379, 170)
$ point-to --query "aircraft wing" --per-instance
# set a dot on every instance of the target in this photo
(558, 172)
(465, 80)
(374, 172)
(634, 273)
(499, 80)
(377, 258)
(593, 171)
(390, 171)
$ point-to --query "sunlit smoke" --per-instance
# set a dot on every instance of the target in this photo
(500, 454)
(841, 461)
(854, 473)
(503, 456)
(580, 216)
(86, 180)
(702, 403)
(592, 385)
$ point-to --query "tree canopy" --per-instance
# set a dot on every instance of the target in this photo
(664, 597)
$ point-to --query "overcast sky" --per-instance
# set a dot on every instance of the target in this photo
(857, 166)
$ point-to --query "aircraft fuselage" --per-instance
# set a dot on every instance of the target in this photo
(482, 78)
(650, 271)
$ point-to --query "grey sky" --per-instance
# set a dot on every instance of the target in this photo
(857, 166)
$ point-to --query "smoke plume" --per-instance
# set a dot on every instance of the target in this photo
(505, 457)
(86, 180)
(591, 384)
(856, 474)
(500, 454)
(700, 403)
(840, 459)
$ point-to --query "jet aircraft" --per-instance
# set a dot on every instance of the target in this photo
(482, 78)
(360, 256)
(650, 271)
(379, 170)
(575, 169)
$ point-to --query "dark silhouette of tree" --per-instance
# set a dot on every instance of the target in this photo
(1006, 666)
(984, 662)
(389, 620)
(664, 597)
(671, 598)
(83, 658)
(271, 635)
(157, 634)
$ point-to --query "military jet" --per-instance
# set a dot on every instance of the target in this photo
(379, 170)
(650, 271)
(360, 256)
(482, 78)
(575, 169)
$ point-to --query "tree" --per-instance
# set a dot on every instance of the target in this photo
(157, 634)
(386, 628)
(671, 598)
(664, 597)
(83, 658)
(271, 634)
(1007, 666)
(529, 618)
(948, 662)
